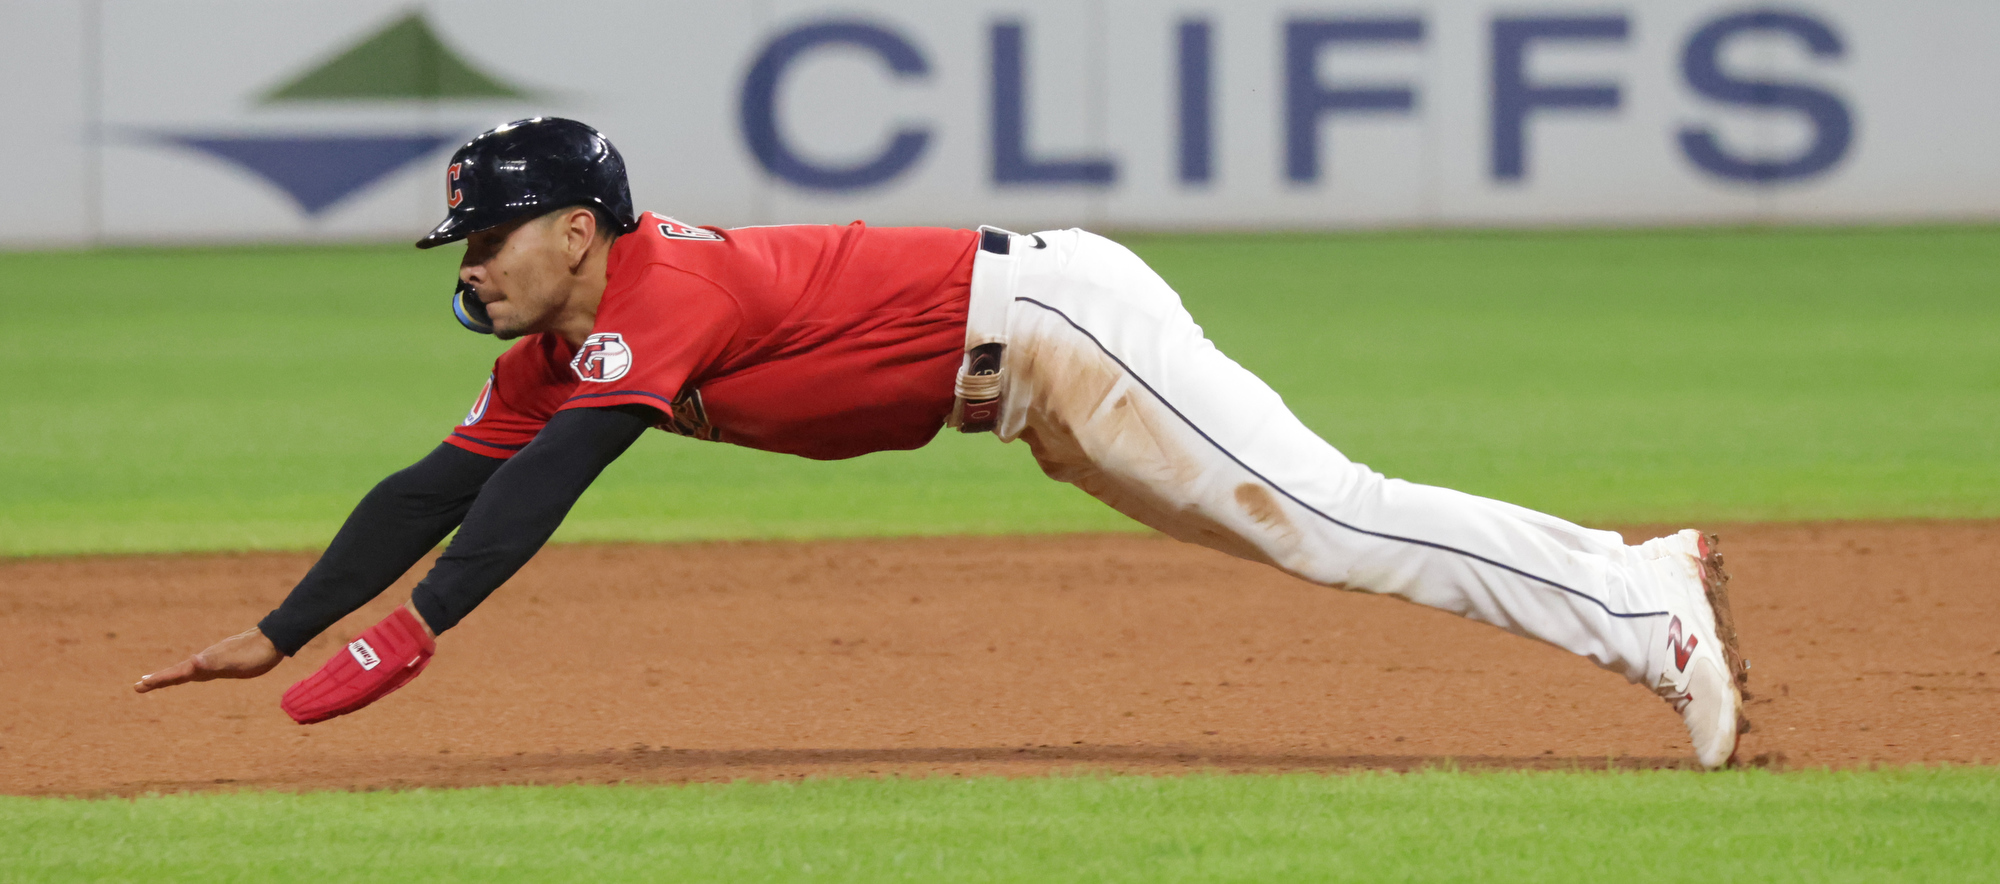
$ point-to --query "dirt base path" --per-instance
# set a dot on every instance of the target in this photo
(1014, 656)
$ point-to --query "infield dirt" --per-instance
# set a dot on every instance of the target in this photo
(1871, 644)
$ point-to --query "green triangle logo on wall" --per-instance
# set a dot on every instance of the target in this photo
(404, 60)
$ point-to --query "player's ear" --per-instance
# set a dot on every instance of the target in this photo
(579, 229)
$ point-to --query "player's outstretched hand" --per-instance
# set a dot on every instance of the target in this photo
(247, 654)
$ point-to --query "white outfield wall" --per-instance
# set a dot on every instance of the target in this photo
(156, 120)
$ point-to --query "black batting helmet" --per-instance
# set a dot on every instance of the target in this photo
(529, 167)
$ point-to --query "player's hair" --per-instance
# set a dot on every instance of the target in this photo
(606, 228)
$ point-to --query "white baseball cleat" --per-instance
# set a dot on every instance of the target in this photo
(1701, 674)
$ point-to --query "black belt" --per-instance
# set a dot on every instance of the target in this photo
(1000, 242)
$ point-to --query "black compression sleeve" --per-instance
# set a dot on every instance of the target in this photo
(400, 520)
(522, 505)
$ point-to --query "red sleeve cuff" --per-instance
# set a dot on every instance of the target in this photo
(620, 397)
(483, 447)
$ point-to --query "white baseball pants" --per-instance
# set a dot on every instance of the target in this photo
(1117, 391)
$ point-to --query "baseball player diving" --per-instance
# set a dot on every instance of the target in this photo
(835, 341)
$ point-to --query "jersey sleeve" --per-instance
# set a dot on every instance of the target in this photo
(520, 395)
(651, 338)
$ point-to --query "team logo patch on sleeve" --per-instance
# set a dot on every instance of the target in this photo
(672, 229)
(479, 405)
(602, 358)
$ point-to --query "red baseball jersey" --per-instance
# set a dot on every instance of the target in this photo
(816, 340)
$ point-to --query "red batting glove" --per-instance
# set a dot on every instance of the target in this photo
(384, 658)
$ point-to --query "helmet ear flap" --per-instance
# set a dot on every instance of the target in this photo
(469, 310)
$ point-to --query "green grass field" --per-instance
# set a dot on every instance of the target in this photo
(1904, 825)
(246, 398)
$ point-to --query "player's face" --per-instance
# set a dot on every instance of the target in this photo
(518, 269)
